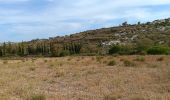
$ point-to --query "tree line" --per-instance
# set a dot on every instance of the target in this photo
(39, 49)
(53, 49)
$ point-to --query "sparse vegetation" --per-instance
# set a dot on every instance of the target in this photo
(141, 59)
(37, 97)
(128, 63)
(110, 98)
(158, 50)
(79, 72)
(32, 68)
(112, 63)
(160, 59)
(86, 78)
(5, 62)
(45, 61)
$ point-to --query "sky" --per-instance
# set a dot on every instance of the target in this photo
(31, 19)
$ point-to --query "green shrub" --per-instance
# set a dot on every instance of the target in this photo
(37, 97)
(141, 59)
(112, 63)
(157, 50)
(64, 53)
(120, 49)
(142, 45)
(128, 63)
(114, 49)
(126, 50)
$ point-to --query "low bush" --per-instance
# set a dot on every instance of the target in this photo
(112, 63)
(158, 50)
(108, 97)
(141, 59)
(128, 63)
(114, 49)
(120, 49)
(5, 62)
(45, 61)
(64, 53)
(37, 97)
(160, 59)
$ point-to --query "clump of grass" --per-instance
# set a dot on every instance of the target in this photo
(153, 66)
(105, 62)
(115, 55)
(141, 59)
(26, 59)
(5, 62)
(45, 61)
(137, 98)
(51, 65)
(90, 72)
(78, 60)
(33, 59)
(69, 59)
(99, 58)
(37, 97)
(122, 59)
(108, 97)
(23, 60)
(60, 64)
(128, 63)
(112, 63)
(160, 59)
(32, 68)
(59, 74)
(82, 57)
(167, 74)
(92, 58)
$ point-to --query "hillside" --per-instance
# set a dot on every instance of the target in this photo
(97, 41)
(157, 31)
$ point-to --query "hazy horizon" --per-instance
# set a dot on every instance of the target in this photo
(32, 19)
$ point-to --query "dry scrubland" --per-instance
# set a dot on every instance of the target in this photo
(86, 78)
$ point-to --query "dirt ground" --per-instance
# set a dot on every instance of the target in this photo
(86, 78)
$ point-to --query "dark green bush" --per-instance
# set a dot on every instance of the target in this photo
(114, 49)
(157, 50)
(64, 53)
(112, 63)
(120, 49)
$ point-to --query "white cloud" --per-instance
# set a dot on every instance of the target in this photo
(12, 1)
(69, 16)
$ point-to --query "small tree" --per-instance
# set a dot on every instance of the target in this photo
(124, 23)
(139, 23)
(114, 49)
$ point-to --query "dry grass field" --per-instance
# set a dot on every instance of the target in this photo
(86, 78)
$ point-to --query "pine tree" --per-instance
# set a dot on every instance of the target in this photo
(4, 49)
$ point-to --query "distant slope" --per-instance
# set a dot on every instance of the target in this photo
(157, 31)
